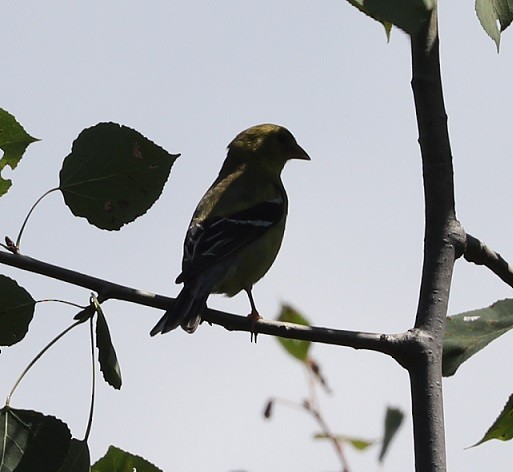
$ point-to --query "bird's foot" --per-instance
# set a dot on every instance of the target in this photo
(254, 316)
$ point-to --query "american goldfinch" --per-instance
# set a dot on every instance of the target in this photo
(237, 228)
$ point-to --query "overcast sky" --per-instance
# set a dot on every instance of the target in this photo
(190, 76)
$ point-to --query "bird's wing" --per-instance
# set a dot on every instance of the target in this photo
(213, 240)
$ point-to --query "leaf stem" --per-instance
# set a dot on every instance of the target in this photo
(43, 351)
(93, 382)
(65, 302)
(18, 239)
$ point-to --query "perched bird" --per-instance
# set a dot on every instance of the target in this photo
(237, 228)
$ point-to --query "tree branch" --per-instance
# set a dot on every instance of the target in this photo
(480, 254)
(444, 238)
(103, 288)
(394, 345)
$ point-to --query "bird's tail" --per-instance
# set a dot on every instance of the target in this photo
(185, 312)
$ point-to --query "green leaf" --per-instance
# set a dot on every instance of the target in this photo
(358, 443)
(409, 15)
(502, 428)
(16, 311)
(296, 348)
(14, 140)
(393, 420)
(106, 353)
(31, 441)
(491, 14)
(117, 460)
(78, 458)
(469, 332)
(113, 175)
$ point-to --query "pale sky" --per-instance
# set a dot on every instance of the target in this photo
(190, 76)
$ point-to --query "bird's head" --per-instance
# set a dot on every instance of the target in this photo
(267, 145)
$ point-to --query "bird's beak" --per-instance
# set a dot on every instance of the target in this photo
(299, 153)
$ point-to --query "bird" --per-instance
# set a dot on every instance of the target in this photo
(237, 228)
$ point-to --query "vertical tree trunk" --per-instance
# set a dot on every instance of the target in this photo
(443, 235)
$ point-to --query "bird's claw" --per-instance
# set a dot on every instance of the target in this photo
(254, 317)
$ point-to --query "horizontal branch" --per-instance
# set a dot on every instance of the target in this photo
(103, 288)
(391, 344)
(480, 254)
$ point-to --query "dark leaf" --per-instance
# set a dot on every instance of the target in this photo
(117, 460)
(78, 458)
(106, 353)
(31, 441)
(113, 175)
(14, 140)
(86, 313)
(409, 15)
(16, 311)
(393, 420)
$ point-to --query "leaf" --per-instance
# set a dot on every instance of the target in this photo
(502, 428)
(469, 332)
(357, 443)
(296, 348)
(16, 311)
(409, 15)
(113, 175)
(31, 441)
(117, 460)
(106, 353)
(14, 140)
(393, 420)
(78, 458)
(492, 14)
(85, 314)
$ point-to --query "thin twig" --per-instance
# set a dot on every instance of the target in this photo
(480, 254)
(312, 407)
(327, 432)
